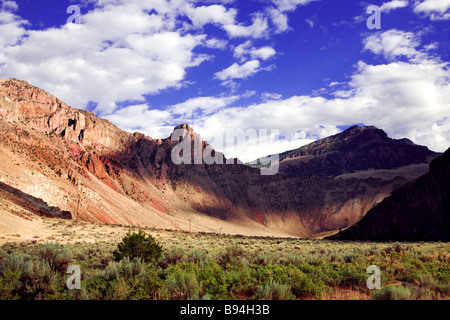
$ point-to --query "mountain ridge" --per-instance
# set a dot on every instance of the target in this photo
(54, 152)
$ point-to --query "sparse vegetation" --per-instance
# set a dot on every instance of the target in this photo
(206, 266)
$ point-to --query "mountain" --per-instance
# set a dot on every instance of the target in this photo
(355, 149)
(59, 154)
(419, 211)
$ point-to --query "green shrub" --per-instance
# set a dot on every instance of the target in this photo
(212, 280)
(9, 280)
(138, 245)
(172, 256)
(183, 285)
(125, 268)
(272, 290)
(37, 281)
(57, 257)
(392, 293)
(231, 256)
(304, 286)
(14, 262)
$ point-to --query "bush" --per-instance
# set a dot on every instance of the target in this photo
(138, 245)
(231, 256)
(392, 293)
(272, 290)
(58, 258)
(171, 257)
(37, 281)
(183, 285)
(125, 268)
(212, 280)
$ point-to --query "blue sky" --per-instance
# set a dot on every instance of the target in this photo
(307, 68)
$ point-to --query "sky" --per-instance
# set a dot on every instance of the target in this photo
(300, 69)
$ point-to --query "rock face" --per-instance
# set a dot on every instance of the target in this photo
(357, 148)
(420, 210)
(31, 204)
(59, 154)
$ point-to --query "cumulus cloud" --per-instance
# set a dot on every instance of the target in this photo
(127, 50)
(258, 29)
(9, 5)
(393, 5)
(435, 9)
(393, 43)
(119, 53)
(215, 14)
(245, 51)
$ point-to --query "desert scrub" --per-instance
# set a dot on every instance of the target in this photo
(202, 266)
(182, 285)
(232, 255)
(213, 280)
(392, 293)
(172, 256)
(23, 278)
(57, 257)
(272, 290)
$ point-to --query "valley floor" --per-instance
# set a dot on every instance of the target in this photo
(213, 266)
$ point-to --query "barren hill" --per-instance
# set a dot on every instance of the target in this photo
(59, 154)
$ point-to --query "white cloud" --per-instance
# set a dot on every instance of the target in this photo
(263, 53)
(258, 29)
(290, 5)
(237, 71)
(436, 9)
(201, 106)
(215, 14)
(11, 26)
(279, 19)
(394, 4)
(267, 96)
(216, 43)
(393, 43)
(9, 5)
(140, 118)
(242, 50)
(310, 23)
(119, 53)
(245, 51)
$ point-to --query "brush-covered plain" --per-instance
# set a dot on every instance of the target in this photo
(213, 266)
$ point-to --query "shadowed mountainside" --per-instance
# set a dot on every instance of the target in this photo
(419, 211)
(355, 149)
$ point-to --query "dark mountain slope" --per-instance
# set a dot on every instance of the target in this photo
(355, 149)
(419, 210)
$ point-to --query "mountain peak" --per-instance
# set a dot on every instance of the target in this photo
(184, 126)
